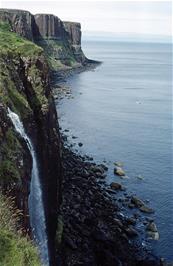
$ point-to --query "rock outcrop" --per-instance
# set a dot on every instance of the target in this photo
(20, 21)
(74, 38)
(60, 40)
(49, 27)
(25, 88)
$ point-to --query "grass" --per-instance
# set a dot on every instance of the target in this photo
(58, 54)
(10, 153)
(15, 249)
(40, 98)
(10, 41)
(12, 48)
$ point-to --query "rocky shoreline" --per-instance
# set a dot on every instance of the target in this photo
(96, 229)
(93, 229)
(64, 73)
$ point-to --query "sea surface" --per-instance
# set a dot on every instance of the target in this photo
(122, 111)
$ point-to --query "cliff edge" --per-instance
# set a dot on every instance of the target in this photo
(25, 89)
(60, 40)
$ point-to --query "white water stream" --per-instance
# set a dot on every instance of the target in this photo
(35, 202)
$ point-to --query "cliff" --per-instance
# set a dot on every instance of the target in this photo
(74, 38)
(60, 40)
(20, 21)
(29, 46)
(24, 87)
(85, 229)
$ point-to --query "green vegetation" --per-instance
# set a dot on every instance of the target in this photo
(15, 79)
(15, 249)
(10, 41)
(12, 47)
(10, 95)
(39, 98)
(10, 153)
(58, 55)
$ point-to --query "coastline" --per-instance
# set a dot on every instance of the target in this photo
(66, 72)
(95, 231)
(113, 227)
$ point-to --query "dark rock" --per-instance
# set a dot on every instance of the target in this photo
(80, 144)
(137, 202)
(146, 209)
(131, 220)
(131, 232)
(70, 243)
(115, 186)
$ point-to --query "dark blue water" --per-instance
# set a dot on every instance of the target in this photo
(122, 112)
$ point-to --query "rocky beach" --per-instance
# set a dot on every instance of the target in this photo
(100, 221)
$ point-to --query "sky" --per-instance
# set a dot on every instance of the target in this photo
(130, 17)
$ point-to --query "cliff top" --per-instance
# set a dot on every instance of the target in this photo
(18, 11)
(9, 10)
(72, 23)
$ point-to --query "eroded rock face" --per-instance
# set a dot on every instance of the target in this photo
(50, 27)
(60, 40)
(24, 87)
(15, 166)
(21, 21)
(74, 38)
(74, 30)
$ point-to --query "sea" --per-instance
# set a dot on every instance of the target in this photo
(122, 111)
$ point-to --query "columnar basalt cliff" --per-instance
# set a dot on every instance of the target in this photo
(74, 38)
(61, 41)
(50, 27)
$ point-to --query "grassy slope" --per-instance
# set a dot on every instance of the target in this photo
(10, 41)
(12, 47)
(59, 56)
(15, 249)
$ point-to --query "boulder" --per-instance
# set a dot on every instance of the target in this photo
(153, 235)
(119, 171)
(115, 186)
(152, 227)
(80, 144)
(141, 205)
(137, 202)
(131, 232)
(97, 169)
(146, 209)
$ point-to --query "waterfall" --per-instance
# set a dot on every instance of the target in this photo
(35, 202)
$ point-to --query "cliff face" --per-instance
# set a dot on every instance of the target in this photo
(74, 38)
(61, 41)
(50, 27)
(20, 21)
(29, 46)
(24, 87)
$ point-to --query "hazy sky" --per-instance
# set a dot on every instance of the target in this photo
(145, 17)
